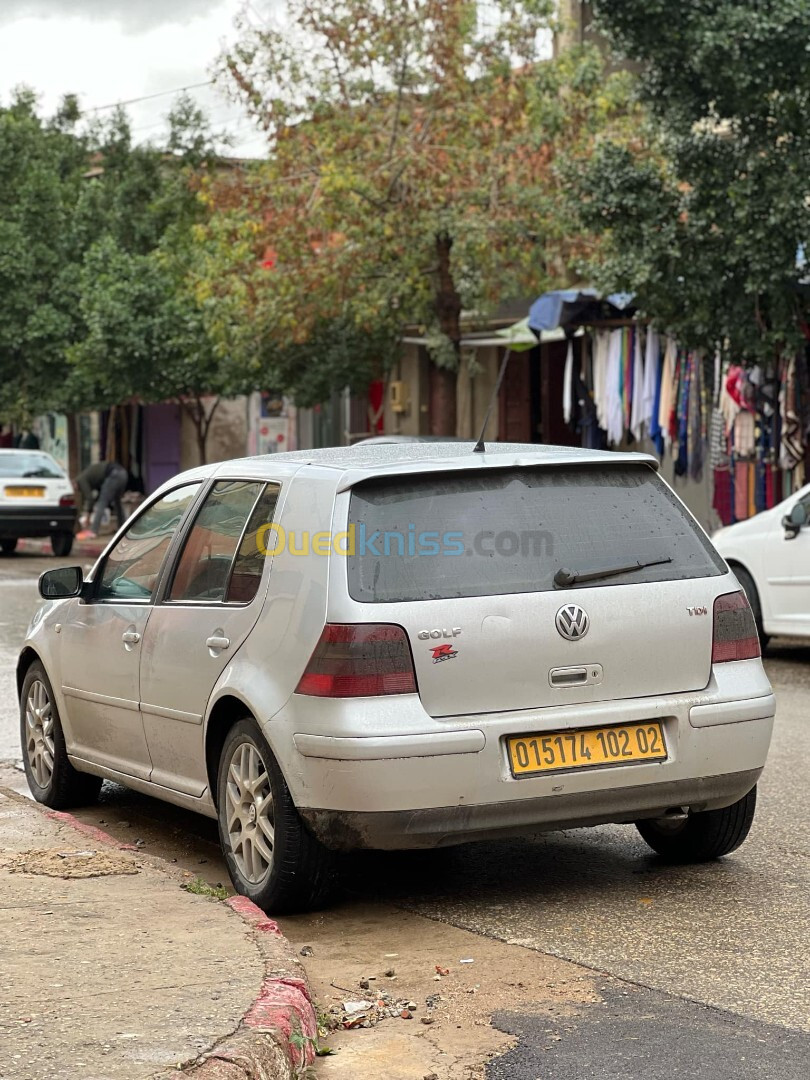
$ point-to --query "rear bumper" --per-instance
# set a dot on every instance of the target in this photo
(381, 772)
(35, 521)
(448, 825)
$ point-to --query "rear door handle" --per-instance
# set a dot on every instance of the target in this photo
(130, 637)
(218, 642)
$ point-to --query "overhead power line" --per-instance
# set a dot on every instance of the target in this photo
(150, 97)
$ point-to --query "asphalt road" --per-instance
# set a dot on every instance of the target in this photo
(721, 947)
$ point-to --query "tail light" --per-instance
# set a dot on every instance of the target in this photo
(735, 631)
(359, 660)
(67, 500)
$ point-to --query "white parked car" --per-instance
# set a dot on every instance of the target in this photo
(36, 500)
(404, 646)
(770, 554)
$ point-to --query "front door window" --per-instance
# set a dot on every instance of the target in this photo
(131, 569)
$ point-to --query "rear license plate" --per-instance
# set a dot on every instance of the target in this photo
(583, 749)
(25, 492)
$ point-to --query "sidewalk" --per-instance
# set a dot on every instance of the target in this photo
(112, 971)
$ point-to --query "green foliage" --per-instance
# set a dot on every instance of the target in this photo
(704, 213)
(336, 354)
(40, 178)
(96, 245)
(145, 335)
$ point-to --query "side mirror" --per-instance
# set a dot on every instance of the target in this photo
(795, 521)
(798, 516)
(62, 583)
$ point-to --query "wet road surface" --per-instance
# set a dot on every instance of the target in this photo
(731, 935)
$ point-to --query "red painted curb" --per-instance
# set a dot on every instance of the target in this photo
(254, 915)
(284, 1003)
(94, 833)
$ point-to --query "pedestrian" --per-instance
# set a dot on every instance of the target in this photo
(6, 437)
(28, 440)
(109, 480)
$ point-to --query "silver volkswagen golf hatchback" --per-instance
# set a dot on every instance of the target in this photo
(404, 646)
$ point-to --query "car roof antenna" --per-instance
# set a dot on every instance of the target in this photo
(479, 447)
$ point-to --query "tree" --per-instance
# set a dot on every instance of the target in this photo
(146, 340)
(413, 173)
(703, 216)
(41, 166)
(145, 335)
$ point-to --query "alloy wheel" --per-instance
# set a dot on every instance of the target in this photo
(39, 733)
(249, 813)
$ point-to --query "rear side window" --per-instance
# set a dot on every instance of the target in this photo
(215, 542)
(249, 563)
(504, 531)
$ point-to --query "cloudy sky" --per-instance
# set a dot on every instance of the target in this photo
(116, 50)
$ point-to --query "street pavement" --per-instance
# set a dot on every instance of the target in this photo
(714, 956)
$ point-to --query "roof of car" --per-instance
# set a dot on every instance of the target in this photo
(345, 466)
(371, 458)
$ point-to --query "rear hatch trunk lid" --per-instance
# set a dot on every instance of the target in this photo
(490, 572)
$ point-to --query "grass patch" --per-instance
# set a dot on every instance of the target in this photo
(201, 888)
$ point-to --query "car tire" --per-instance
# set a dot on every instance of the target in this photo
(8, 547)
(51, 778)
(704, 836)
(751, 591)
(271, 856)
(62, 544)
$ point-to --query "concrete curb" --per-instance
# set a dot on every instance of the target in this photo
(277, 1036)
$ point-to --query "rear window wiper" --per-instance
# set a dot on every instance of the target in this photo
(564, 577)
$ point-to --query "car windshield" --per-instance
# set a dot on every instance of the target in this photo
(33, 465)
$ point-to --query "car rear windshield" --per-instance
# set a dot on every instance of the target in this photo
(483, 533)
(39, 466)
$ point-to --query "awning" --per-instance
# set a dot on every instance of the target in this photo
(517, 338)
(566, 308)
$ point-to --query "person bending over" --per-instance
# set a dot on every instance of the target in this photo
(109, 479)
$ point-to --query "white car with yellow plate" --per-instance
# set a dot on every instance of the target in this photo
(36, 500)
(405, 646)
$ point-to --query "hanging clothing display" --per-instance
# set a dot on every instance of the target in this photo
(792, 450)
(568, 377)
(748, 426)
(637, 414)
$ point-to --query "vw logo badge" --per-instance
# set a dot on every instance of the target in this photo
(572, 622)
